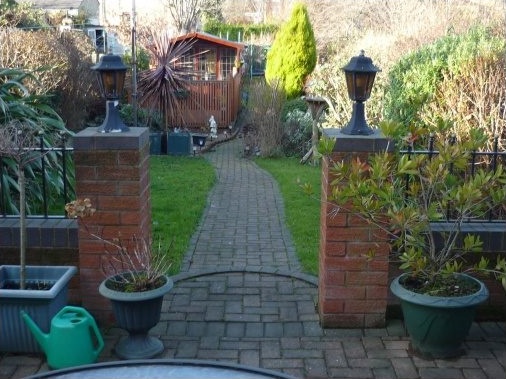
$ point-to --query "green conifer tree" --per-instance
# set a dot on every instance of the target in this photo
(292, 56)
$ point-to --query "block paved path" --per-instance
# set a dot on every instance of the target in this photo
(241, 298)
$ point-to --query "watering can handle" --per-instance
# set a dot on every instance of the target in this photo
(100, 340)
(93, 324)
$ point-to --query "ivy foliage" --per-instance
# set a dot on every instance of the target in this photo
(292, 56)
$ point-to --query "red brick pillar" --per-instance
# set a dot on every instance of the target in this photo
(353, 289)
(112, 170)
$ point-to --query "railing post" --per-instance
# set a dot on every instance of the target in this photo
(43, 170)
(64, 168)
(353, 289)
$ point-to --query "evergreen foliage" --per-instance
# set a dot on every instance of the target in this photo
(236, 32)
(292, 56)
(414, 81)
(21, 14)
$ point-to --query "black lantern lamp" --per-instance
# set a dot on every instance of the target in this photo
(111, 73)
(198, 140)
(360, 73)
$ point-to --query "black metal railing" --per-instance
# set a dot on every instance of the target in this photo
(489, 160)
(44, 200)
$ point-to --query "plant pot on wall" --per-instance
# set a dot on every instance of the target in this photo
(137, 313)
(438, 325)
(40, 304)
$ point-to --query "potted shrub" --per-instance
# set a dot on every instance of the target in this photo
(422, 202)
(41, 291)
(136, 282)
(164, 86)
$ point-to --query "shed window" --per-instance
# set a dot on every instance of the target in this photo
(227, 60)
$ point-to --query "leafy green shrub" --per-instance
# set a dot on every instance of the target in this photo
(21, 14)
(28, 114)
(143, 58)
(422, 85)
(292, 56)
(63, 65)
(297, 130)
(145, 117)
(292, 105)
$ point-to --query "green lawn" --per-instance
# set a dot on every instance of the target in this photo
(179, 190)
(302, 212)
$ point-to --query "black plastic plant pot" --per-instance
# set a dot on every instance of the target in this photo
(155, 143)
(437, 325)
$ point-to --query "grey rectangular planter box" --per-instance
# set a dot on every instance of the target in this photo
(41, 305)
(178, 143)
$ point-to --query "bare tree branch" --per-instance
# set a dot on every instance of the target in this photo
(185, 14)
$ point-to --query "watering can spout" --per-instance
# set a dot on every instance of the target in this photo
(41, 337)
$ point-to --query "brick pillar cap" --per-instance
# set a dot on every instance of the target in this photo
(375, 142)
(91, 139)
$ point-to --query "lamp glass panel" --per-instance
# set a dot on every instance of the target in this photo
(350, 84)
(361, 86)
(100, 83)
(112, 83)
(370, 83)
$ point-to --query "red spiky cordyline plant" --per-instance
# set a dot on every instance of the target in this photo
(162, 87)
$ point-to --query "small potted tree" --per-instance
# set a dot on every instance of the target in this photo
(136, 282)
(167, 84)
(41, 291)
(422, 202)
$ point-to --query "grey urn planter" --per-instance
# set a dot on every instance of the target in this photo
(137, 313)
(40, 305)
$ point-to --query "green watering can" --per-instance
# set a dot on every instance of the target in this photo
(74, 338)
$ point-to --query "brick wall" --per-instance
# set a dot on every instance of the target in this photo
(353, 290)
(51, 241)
(112, 169)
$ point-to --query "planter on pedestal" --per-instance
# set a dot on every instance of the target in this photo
(137, 313)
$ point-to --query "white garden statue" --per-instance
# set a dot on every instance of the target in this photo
(213, 128)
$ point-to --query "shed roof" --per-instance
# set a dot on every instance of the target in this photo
(211, 38)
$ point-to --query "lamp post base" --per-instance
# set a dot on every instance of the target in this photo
(358, 124)
(112, 122)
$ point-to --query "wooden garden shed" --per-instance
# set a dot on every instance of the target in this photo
(214, 87)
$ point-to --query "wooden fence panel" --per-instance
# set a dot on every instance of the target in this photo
(218, 98)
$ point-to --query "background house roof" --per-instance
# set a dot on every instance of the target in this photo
(56, 4)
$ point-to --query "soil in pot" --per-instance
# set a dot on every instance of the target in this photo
(134, 282)
(451, 286)
(36, 285)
